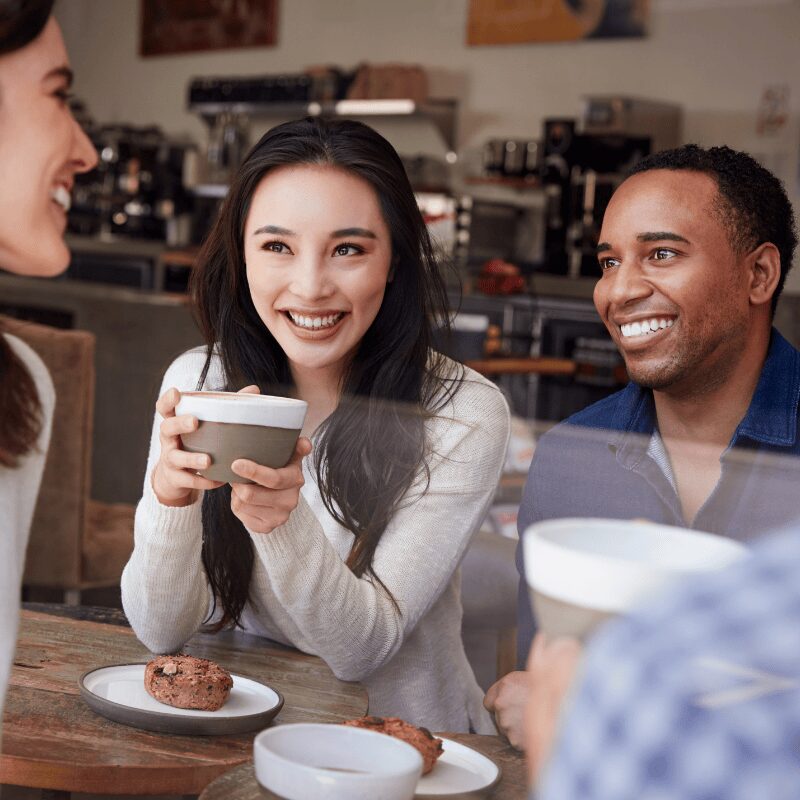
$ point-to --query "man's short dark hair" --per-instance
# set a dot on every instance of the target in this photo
(753, 205)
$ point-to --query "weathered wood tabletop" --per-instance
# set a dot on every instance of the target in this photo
(53, 740)
(240, 783)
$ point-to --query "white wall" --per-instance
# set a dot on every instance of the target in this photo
(715, 57)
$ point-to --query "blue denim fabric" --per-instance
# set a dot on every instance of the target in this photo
(595, 464)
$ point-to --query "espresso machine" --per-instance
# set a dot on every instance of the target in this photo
(583, 162)
(580, 172)
(137, 189)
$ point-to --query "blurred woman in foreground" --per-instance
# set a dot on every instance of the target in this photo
(41, 150)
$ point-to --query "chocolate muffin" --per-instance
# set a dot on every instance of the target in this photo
(428, 745)
(188, 682)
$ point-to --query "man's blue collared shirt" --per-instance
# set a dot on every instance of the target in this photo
(596, 464)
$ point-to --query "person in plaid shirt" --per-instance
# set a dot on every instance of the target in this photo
(695, 698)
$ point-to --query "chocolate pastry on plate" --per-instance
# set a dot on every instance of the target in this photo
(188, 682)
(428, 745)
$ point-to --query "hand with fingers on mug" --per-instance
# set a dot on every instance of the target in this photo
(262, 505)
(175, 480)
(267, 503)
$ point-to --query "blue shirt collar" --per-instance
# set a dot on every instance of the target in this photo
(771, 417)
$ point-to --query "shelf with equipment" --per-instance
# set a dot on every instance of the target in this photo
(441, 112)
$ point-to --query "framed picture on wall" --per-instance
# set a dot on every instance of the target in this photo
(521, 21)
(190, 26)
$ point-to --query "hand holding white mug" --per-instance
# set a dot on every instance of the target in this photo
(267, 503)
(175, 480)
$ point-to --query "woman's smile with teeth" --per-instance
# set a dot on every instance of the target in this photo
(62, 197)
(314, 322)
(645, 326)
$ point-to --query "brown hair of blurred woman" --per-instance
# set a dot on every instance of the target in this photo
(21, 21)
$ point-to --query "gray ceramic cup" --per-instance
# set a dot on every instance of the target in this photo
(581, 572)
(258, 427)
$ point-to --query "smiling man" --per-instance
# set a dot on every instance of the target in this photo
(693, 253)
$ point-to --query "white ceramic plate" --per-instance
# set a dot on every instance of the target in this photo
(460, 772)
(118, 693)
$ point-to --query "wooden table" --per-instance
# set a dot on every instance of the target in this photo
(240, 783)
(53, 740)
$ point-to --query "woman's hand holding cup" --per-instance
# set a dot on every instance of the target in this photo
(267, 503)
(274, 492)
(175, 480)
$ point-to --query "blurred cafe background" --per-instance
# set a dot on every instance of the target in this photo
(516, 121)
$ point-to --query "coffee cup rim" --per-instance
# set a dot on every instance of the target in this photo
(610, 581)
(243, 409)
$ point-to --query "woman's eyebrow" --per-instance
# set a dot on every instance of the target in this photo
(363, 233)
(276, 229)
(61, 72)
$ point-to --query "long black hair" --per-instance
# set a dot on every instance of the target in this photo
(372, 447)
(21, 21)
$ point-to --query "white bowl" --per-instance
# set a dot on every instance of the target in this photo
(309, 761)
(583, 570)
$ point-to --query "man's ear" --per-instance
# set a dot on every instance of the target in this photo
(765, 273)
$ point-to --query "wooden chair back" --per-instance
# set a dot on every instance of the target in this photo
(55, 549)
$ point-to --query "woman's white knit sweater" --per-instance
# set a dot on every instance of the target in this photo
(19, 488)
(411, 657)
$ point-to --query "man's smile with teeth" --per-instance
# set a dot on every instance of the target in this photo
(314, 322)
(645, 326)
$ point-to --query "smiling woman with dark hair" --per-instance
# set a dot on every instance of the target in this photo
(41, 149)
(319, 281)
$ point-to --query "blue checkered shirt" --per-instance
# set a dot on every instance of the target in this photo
(696, 697)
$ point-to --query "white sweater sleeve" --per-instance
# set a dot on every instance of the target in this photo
(165, 592)
(351, 622)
